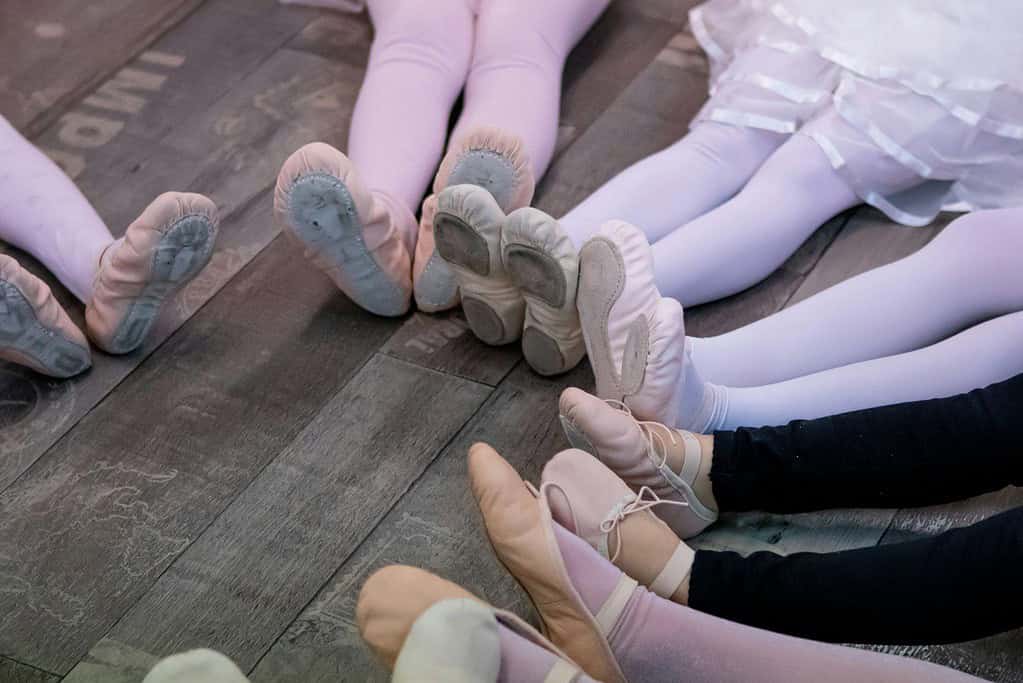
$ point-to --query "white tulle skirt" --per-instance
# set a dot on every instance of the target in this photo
(930, 90)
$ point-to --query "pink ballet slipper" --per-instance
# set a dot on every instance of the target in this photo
(644, 454)
(162, 250)
(427, 629)
(635, 338)
(361, 239)
(544, 264)
(592, 502)
(196, 666)
(433, 282)
(34, 329)
(495, 161)
(522, 532)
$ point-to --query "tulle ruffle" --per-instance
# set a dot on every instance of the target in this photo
(957, 124)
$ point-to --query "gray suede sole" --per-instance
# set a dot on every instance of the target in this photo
(487, 169)
(181, 253)
(601, 282)
(540, 276)
(22, 332)
(322, 215)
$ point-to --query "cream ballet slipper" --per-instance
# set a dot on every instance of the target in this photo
(361, 239)
(162, 250)
(196, 666)
(543, 262)
(468, 228)
(35, 331)
(667, 461)
(486, 157)
(592, 502)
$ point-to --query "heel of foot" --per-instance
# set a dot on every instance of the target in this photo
(487, 169)
(323, 216)
(543, 353)
(22, 333)
(486, 323)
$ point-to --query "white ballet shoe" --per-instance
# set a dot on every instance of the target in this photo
(542, 261)
(635, 338)
(196, 666)
(467, 229)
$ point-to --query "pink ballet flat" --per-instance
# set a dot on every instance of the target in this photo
(162, 250)
(646, 455)
(35, 331)
(635, 338)
(592, 502)
(495, 161)
(361, 240)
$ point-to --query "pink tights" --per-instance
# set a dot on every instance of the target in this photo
(656, 640)
(508, 55)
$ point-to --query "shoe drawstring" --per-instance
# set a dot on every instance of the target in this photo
(646, 499)
(653, 438)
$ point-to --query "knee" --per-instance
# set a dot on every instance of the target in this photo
(726, 145)
(503, 39)
(439, 36)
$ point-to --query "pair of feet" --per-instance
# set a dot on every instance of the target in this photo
(426, 628)
(166, 246)
(368, 242)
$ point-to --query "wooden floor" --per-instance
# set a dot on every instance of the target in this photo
(232, 484)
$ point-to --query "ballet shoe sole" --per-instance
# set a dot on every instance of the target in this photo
(47, 351)
(601, 283)
(181, 253)
(487, 169)
(543, 280)
(323, 217)
(458, 243)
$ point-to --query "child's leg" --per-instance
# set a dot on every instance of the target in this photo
(678, 184)
(967, 274)
(417, 67)
(742, 241)
(982, 355)
(514, 83)
(43, 213)
(960, 585)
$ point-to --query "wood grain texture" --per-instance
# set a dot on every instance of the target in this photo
(251, 572)
(144, 473)
(436, 526)
(236, 148)
(16, 672)
(54, 50)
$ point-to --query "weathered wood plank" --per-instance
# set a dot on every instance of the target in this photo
(290, 99)
(435, 526)
(238, 586)
(16, 672)
(93, 523)
(54, 50)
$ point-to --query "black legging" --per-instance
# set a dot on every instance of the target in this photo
(957, 586)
